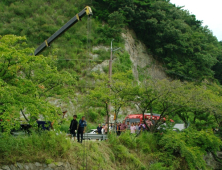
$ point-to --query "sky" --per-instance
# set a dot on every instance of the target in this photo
(210, 12)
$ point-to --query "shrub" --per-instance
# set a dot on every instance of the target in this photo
(147, 142)
(127, 140)
(157, 166)
(189, 145)
(92, 115)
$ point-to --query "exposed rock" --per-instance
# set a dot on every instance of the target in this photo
(48, 168)
(26, 167)
(5, 167)
(19, 165)
(52, 165)
(32, 166)
(59, 163)
(94, 56)
(38, 164)
(143, 62)
(12, 167)
(100, 48)
(59, 168)
(100, 67)
(211, 162)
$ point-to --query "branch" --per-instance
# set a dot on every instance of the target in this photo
(24, 116)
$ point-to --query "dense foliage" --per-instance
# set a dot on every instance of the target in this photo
(26, 81)
(174, 36)
(198, 106)
(170, 150)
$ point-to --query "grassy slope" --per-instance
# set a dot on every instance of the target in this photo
(160, 151)
(49, 147)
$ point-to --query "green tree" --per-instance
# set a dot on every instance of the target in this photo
(163, 96)
(26, 82)
(117, 93)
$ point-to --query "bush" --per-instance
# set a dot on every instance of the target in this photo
(157, 166)
(147, 142)
(127, 140)
(189, 146)
(93, 115)
(121, 149)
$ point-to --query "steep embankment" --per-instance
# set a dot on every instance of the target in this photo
(143, 62)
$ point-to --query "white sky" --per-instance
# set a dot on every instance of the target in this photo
(208, 11)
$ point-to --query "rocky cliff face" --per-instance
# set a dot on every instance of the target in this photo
(143, 62)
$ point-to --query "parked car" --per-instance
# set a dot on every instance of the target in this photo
(90, 132)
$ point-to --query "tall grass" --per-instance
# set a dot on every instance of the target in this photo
(36, 147)
(129, 150)
(50, 146)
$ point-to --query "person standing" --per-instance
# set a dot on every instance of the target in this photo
(73, 127)
(149, 123)
(117, 129)
(103, 129)
(142, 126)
(154, 121)
(106, 129)
(132, 128)
(122, 127)
(99, 129)
(111, 127)
(137, 126)
(82, 128)
(128, 125)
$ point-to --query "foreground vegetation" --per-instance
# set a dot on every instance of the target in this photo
(162, 151)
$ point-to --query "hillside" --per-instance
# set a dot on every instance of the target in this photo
(181, 48)
(185, 48)
(168, 64)
(175, 38)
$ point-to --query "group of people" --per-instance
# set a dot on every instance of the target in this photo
(133, 127)
(77, 127)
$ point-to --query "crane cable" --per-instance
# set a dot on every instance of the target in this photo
(88, 48)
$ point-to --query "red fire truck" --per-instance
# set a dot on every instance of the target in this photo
(139, 117)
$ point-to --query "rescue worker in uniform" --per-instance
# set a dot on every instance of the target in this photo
(73, 127)
(81, 128)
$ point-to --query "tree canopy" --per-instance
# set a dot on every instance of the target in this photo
(26, 82)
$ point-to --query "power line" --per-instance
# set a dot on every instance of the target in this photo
(80, 59)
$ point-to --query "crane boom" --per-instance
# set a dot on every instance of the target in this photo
(86, 11)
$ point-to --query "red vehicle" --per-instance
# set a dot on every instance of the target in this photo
(139, 117)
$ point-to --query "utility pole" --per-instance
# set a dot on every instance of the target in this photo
(110, 77)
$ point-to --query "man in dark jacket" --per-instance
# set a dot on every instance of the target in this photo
(99, 129)
(73, 127)
(81, 128)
